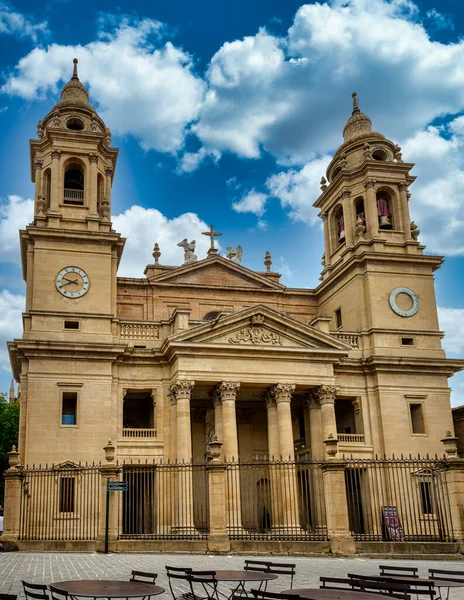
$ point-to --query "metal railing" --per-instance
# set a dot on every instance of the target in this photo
(60, 503)
(276, 500)
(129, 432)
(398, 500)
(138, 331)
(164, 501)
(351, 438)
(73, 196)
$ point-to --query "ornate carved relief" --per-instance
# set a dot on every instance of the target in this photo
(255, 335)
(282, 392)
(327, 394)
(226, 390)
(181, 388)
(312, 399)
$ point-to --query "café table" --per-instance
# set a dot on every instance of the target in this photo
(108, 588)
(243, 577)
(328, 594)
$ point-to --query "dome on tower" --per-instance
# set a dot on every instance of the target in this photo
(358, 124)
(74, 92)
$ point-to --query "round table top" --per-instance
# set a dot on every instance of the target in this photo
(327, 594)
(222, 575)
(106, 588)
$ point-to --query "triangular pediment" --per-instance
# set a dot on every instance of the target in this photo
(216, 272)
(258, 326)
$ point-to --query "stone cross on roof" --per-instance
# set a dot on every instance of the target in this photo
(212, 234)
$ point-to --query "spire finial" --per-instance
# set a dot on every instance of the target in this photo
(75, 76)
(12, 391)
(354, 95)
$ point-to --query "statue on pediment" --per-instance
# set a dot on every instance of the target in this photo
(189, 251)
(235, 254)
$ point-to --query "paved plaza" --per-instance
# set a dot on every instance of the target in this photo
(49, 567)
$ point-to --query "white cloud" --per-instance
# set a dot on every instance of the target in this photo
(15, 23)
(142, 86)
(452, 323)
(144, 226)
(253, 202)
(15, 214)
(11, 309)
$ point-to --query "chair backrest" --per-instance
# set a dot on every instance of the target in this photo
(394, 589)
(57, 594)
(257, 565)
(8, 597)
(419, 588)
(394, 570)
(457, 576)
(283, 569)
(36, 591)
(265, 595)
(205, 582)
(143, 576)
(179, 574)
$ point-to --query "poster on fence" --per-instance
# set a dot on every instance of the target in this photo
(392, 528)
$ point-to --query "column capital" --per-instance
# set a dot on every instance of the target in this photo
(402, 187)
(269, 399)
(226, 390)
(109, 171)
(38, 164)
(324, 216)
(93, 158)
(282, 392)
(327, 393)
(369, 184)
(312, 400)
(345, 193)
(55, 154)
(181, 388)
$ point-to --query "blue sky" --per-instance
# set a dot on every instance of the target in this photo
(228, 113)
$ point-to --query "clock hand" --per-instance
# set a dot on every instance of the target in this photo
(75, 281)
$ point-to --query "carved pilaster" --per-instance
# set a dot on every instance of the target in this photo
(369, 184)
(93, 158)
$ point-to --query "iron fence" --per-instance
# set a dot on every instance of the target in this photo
(402, 499)
(280, 500)
(164, 501)
(60, 503)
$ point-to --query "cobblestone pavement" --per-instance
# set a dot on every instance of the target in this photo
(47, 568)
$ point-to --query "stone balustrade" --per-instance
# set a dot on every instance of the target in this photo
(352, 339)
(351, 438)
(138, 331)
(130, 432)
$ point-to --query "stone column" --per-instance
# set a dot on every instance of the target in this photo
(336, 505)
(12, 500)
(326, 394)
(55, 183)
(108, 472)
(454, 478)
(109, 181)
(325, 220)
(315, 424)
(218, 540)
(274, 472)
(348, 217)
(406, 219)
(282, 394)
(182, 389)
(370, 208)
(218, 430)
(92, 201)
(272, 429)
(226, 392)
(39, 193)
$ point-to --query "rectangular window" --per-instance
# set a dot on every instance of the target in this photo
(338, 318)
(67, 494)
(417, 418)
(71, 324)
(69, 408)
(426, 497)
(407, 341)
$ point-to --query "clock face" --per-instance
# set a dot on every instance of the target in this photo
(404, 311)
(72, 282)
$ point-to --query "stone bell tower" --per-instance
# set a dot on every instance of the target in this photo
(69, 252)
(378, 285)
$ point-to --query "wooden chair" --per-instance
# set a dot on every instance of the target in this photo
(203, 585)
(393, 570)
(35, 591)
(179, 575)
(143, 576)
(391, 588)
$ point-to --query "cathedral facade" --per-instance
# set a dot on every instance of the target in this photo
(211, 353)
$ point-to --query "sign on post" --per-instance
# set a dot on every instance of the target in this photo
(393, 530)
(117, 486)
(112, 486)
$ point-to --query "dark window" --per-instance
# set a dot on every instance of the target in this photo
(69, 408)
(407, 341)
(71, 324)
(417, 418)
(67, 494)
(338, 318)
(426, 497)
(74, 185)
(75, 124)
(379, 155)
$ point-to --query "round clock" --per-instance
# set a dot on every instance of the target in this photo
(72, 282)
(414, 299)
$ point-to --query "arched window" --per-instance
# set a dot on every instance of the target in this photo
(47, 179)
(74, 184)
(340, 225)
(359, 207)
(379, 155)
(384, 210)
(100, 190)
